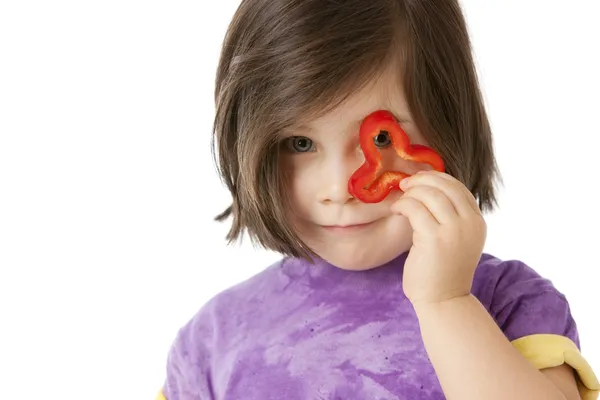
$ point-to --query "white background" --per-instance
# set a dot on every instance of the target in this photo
(107, 188)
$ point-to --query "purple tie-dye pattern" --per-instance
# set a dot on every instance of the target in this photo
(301, 331)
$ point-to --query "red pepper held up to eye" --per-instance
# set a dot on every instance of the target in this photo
(366, 183)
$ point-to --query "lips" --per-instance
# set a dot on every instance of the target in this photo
(348, 227)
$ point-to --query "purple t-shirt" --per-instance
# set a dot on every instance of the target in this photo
(298, 331)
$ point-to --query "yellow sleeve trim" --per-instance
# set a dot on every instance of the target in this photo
(160, 396)
(547, 351)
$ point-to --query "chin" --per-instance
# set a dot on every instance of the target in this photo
(363, 250)
(360, 259)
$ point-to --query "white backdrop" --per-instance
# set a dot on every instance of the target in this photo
(107, 188)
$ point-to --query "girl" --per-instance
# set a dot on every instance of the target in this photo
(388, 300)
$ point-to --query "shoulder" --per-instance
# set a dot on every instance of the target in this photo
(521, 300)
(203, 338)
(498, 283)
(534, 315)
(232, 302)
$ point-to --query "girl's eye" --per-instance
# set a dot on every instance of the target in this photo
(300, 144)
(382, 140)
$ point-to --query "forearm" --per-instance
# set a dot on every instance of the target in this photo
(472, 357)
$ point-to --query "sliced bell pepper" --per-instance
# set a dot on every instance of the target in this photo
(366, 183)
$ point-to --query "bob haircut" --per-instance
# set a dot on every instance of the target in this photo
(283, 61)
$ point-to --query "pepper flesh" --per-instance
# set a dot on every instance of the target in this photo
(366, 183)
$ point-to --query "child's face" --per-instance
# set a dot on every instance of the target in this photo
(320, 159)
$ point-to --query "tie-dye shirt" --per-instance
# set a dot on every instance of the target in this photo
(300, 331)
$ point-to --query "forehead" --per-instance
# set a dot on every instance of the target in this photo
(385, 92)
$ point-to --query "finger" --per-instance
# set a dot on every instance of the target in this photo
(418, 215)
(470, 198)
(463, 202)
(436, 201)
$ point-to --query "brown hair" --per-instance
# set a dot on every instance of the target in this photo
(283, 60)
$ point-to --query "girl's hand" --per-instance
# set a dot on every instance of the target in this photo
(448, 239)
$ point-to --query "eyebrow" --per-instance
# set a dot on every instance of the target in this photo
(401, 118)
(294, 131)
(302, 127)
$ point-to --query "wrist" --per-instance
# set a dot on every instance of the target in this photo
(439, 298)
(425, 305)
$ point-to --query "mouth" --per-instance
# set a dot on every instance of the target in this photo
(347, 228)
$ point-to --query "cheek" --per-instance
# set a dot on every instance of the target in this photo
(395, 237)
(398, 229)
(301, 175)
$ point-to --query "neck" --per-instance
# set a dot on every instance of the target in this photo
(321, 273)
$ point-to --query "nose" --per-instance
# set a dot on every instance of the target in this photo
(334, 180)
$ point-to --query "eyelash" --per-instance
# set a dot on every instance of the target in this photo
(289, 144)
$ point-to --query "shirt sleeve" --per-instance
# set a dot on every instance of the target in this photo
(188, 375)
(537, 319)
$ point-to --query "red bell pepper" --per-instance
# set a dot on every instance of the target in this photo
(366, 184)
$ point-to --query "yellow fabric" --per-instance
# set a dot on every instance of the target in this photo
(547, 351)
(160, 396)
